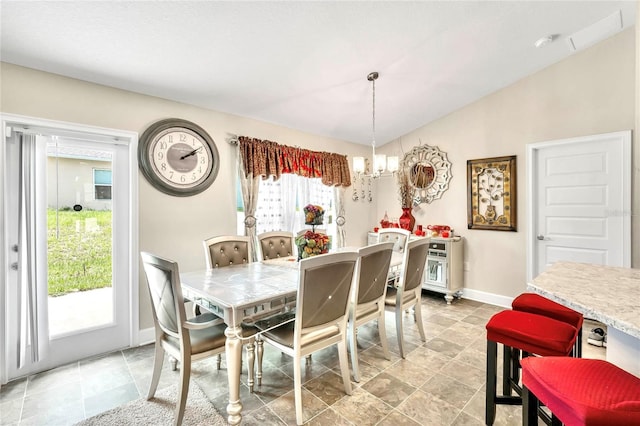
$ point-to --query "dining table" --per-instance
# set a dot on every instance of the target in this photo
(608, 294)
(243, 293)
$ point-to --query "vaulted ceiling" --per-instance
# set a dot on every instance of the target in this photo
(304, 64)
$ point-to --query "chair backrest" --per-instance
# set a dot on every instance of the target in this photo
(166, 295)
(414, 263)
(372, 272)
(399, 238)
(276, 244)
(227, 250)
(324, 290)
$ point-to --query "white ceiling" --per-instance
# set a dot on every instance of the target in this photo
(302, 64)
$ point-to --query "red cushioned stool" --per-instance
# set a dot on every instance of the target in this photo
(536, 304)
(580, 391)
(532, 335)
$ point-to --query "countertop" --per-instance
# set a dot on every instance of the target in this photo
(607, 294)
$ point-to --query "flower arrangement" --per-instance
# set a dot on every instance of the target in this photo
(313, 215)
(312, 244)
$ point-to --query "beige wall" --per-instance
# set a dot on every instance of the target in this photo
(591, 92)
(173, 227)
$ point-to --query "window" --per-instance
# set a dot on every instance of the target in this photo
(280, 204)
(102, 184)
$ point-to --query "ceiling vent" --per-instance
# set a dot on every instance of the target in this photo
(594, 33)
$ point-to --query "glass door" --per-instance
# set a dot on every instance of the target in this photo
(68, 211)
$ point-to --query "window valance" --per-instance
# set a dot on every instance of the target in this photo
(266, 158)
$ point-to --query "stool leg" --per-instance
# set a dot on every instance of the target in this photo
(491, 382)
(529, 408)
(507, 373)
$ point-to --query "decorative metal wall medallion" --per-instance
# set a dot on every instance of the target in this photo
(429, 172)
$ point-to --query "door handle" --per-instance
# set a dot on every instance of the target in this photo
(541, 237)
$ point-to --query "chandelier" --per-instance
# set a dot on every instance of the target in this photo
(382, 166)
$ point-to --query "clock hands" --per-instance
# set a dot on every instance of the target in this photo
(191, 153)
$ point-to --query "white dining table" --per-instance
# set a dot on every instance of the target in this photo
(242, 293)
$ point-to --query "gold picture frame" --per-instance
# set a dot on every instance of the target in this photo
(491, 191)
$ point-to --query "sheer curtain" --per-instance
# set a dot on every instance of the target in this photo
(32, 279)
(280, 203)
(249, 186)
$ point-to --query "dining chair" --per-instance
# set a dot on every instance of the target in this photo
(227, 250)
(408, 291)
(400, 238)
(369, 292)
(275, 244)
(185, 340)
(324, 293)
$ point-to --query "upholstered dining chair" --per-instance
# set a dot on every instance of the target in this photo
(275, 244)
(186, 341)
(400, 238)
(227, 250)
(369, 292)
(321, 316)
(407, 293)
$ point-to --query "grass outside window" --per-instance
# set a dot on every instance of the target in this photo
(79, 250)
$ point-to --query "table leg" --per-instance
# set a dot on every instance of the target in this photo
(233, 350)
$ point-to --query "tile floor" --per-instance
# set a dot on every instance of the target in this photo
(441, 381)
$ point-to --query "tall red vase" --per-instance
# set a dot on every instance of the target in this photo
(407, 221)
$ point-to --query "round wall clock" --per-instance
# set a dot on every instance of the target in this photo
(178, 157)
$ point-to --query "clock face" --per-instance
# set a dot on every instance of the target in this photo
(178, 157)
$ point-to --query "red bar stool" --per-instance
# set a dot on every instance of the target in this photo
(579, 392)
(520, 331)
(539, 305)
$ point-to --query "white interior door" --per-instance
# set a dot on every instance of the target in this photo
(580, 201)
(84, 301)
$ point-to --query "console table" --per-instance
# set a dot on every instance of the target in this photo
(607, 294)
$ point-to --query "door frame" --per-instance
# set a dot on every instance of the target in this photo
(120, 136)
(532, 176)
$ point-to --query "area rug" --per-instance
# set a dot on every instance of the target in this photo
(159, 410)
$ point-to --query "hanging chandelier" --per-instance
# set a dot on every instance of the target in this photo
(382, 166)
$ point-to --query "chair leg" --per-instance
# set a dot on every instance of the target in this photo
(529, 408)
(382, 332)
(173, 362)
(507, 366)
(251, 356)
(491, 382)
(260, 355)
(185, 373)
(418, 312)
(297, 392)
(344, 365)
(157, 369)
(219, 361)
(399, 330)
(353, 346)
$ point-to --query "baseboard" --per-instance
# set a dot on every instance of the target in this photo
(489, 298)
(146, 336)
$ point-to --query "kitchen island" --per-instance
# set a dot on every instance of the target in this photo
(607, 294)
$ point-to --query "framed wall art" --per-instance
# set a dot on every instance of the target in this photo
(491, 191)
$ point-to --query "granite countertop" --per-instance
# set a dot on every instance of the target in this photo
(607, 294)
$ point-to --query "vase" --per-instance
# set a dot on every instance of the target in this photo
(407, 221)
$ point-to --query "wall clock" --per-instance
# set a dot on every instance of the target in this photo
(178, 157)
